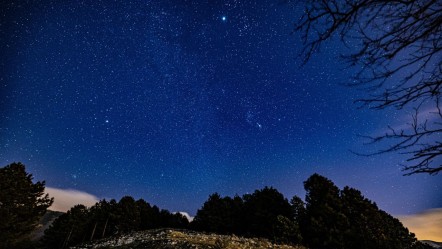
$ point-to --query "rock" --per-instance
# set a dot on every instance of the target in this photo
(182, 239)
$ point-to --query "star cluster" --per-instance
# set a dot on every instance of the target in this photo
(171, 101)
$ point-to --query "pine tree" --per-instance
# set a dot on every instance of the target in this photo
(22, 204)
(68, 229)
(261, 211)
(102, 219)
(129, 215)
(347, 220)
(324, 225)
(298, 209)
(214, 215)
(372, 228)
(146, 215)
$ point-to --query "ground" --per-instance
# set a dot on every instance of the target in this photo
(174, 239)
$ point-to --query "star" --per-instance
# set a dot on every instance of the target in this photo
(171, 106)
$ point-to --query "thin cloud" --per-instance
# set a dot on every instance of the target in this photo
(185, 214)
(404, 121)
(64, 199)
(426, 225)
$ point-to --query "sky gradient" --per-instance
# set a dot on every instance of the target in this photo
(171, 101)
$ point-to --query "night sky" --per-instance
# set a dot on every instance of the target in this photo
(171, 101)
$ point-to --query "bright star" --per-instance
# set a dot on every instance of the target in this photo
(224, 18)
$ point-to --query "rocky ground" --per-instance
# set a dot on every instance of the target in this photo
(174, 239)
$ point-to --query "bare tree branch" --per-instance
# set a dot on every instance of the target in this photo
(397, 49)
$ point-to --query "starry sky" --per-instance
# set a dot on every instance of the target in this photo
(171, 101)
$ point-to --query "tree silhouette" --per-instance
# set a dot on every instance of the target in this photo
(298, 208)
(261, 211)
(324, 223)
(398, 48)
(286, 231)
(219, 214)
(104, 219)
(371, 228)
(68, 229)
(346, 219)
(146, 215)
(128, 215)
(22, 204)
(264, 213)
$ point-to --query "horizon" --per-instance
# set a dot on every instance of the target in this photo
(424, 224)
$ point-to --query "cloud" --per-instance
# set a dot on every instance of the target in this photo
(64, 199)
(185, 214)
(426, 225)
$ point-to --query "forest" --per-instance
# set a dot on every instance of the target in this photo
(328, 217)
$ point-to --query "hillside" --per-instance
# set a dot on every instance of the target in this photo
(437, 245)
(182, 239)
(44, 223)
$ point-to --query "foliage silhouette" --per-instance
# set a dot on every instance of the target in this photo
(261, 211)
(81, 224)
(324, 224)
(220, 215)
(329, 218)
(264, 213)
(346, 219)
(22, 204)
(68, 229)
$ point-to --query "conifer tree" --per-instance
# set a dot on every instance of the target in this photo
(214, 215)
(129, 214)
(324, 225)
(347, 220)
(261, 211)
(68, 229)
(22, 204)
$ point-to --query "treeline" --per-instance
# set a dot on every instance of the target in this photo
(81, 224)
(23, 203)
(329, 218)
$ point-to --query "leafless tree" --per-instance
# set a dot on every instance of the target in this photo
(396, 48)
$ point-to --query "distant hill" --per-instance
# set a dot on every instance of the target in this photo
(182, 239)
(434, 244)
(44, 223)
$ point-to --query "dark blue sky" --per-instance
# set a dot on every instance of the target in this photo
(171, 101)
